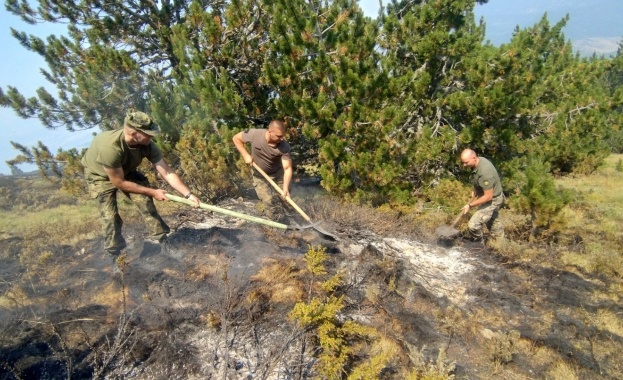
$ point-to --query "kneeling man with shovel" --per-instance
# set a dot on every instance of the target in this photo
(488, 195)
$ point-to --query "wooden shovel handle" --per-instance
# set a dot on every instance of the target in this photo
(235, 214)
(280, 191)
(458, 217)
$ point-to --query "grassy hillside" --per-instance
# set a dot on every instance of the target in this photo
(593, 230)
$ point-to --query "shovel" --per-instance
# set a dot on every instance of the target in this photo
(239, 214)
(296, 207)
(450, 232)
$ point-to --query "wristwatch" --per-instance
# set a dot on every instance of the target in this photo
(188, 195)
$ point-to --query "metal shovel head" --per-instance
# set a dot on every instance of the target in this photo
(317, 228)
(447, 232)
(326, 234)
(311, 225)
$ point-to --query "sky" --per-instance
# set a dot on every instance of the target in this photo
(20, 68)
(594, 25)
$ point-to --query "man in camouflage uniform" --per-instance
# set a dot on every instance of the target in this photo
(110, 166)
(271, 153)
(490, 197)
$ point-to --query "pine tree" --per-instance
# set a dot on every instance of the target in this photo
(113, 52)
(194, 66)
(536, 97)
(219, 89)
(381, 107)
(430, 50)
(324, 65)
(614, 85)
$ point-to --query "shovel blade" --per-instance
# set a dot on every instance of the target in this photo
(447, 232)
(326, 234)
(318, 229)
(311, 225)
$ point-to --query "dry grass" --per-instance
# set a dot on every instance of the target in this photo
(279, 281)
(15, 296)
(589, 244)
(594, 220)
(562, 371)
(110, 296)
(201, 272)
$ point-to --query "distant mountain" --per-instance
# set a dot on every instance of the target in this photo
(594, 26)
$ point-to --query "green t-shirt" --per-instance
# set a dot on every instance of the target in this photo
(486, 177)
(111, 150)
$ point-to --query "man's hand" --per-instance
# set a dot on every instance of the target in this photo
(466, 208)
(194, 199)
(248, 159)
(160, 194)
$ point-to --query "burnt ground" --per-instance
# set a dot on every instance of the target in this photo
(213, 302)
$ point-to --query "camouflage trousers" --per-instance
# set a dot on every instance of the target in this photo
(106, 195)
(273, 204)
(487, 214)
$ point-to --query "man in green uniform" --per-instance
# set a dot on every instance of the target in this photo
(271, 153)
(488, 193)
(110, 166)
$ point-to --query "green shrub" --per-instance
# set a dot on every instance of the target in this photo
(206, 159)
(335, 340)
(449, 193)
(536, 195)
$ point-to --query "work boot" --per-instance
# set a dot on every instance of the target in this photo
(470, 237)
(158, 239)
(156, 244)
(114, 253)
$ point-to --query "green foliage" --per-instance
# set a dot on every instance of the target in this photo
(314, 259)
(430, 83)
(615, 142)
(450, 193)
(381, 106)
(206, 159)
(64, 167)
(614, 84)
(536, 193)
(319, 316)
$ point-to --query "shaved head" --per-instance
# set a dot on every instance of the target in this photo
(467, 154)
(469, 158)
(277, 125)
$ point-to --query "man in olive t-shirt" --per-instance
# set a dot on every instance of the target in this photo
(110, 165)
(488, 193)
(271, 153)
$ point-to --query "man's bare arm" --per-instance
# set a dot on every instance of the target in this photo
(117, 178)
(174, 180)
(239, 143)
(287, 175)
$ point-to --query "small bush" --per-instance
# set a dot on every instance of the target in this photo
(336, 340)
(537, 196)
(503, 346)
(449, 193)
(438, 369)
